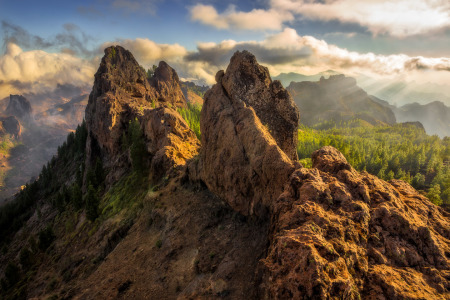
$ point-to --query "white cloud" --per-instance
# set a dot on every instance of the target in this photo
(289, 52)
(37, 71)
(398, 18)
(147, 52)
(257, 19)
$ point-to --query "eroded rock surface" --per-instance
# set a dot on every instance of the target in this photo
(247, 81)
(240, 159)
(122, 93)
(166, 86)
(340, 234)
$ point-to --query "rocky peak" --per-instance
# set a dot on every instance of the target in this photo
(166, 83)
(122, 93)
(120, 72)
(246, 80)
(245, 159)
(19, 106)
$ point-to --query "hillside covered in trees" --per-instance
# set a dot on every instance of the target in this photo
(402, 151)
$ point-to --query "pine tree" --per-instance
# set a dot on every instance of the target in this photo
(76, 196)
(92, 202)
(434, 194)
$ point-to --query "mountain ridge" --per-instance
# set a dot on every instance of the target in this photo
(235, 216)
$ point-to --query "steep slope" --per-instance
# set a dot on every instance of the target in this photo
(337, 99)
(236, 218)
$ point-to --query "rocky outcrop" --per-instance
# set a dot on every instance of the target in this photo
(247, 81)
(170, 141)
(337, 233)
(122, 93)
(240, 160)
(166, 86)
(19, 106)
(11, 125)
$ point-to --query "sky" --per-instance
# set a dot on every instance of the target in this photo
(49, 44)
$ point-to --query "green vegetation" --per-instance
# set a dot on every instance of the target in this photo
(191, 115)
(151, 72)
(7, 143)
(46, 238)
(134, 141)
(92, 202)
(401, 152)
(125, 194)
(50, 183)
(199, 90)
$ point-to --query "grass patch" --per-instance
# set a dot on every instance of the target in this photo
(130, 190)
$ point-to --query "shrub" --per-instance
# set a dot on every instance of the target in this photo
(26, 258)
(138, 149)
(76, 196)
(12, 273)
(92, 202)
(46, 238)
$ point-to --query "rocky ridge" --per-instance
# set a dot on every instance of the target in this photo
(122, 93)
(335, 233)
(238, 217)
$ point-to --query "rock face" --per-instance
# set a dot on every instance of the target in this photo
(19, 106)
(337, 233)
(122, 93)
(247, 81)
(166, 85)
(11, 126)
(240, 160)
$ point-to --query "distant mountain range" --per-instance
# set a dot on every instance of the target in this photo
(337, 99)
(340, 99)
(434, 116)
(287, 78)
